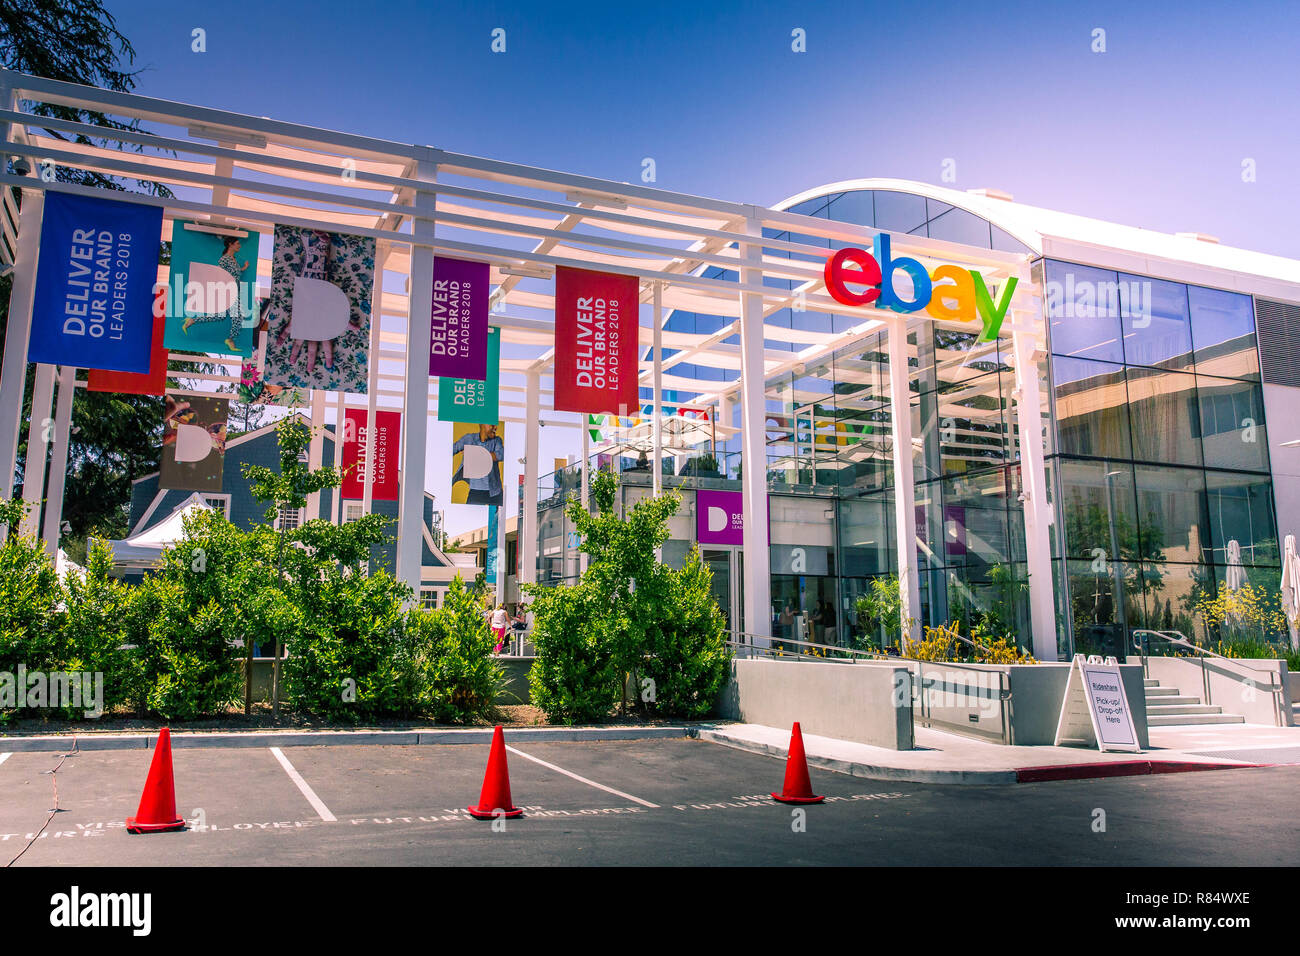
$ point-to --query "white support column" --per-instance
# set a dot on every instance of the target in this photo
(753, 390)
(1037, 509)
(39, 436)
(13, 373)
(527, 523)
(415, 397)
(340, 419)
(316, 450)
(59, 459)
(586, 483)
(900, 417)
(372, 389)
(657, 481)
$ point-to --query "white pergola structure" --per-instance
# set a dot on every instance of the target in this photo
(418, 202)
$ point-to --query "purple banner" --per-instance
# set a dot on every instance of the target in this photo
(458, 326)
(719, 517)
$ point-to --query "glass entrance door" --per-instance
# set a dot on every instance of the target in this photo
(726, 584)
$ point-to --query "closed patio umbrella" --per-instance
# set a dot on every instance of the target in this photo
(1235, 575)
(1291, 589)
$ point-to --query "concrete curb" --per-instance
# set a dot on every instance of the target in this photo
(1094, 770)
(869, 771)
(336, 738)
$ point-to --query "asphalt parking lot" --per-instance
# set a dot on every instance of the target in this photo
(666, 801)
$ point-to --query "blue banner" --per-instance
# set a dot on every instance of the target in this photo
(94, 284)
(492, 549)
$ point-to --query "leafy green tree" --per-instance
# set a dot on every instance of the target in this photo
(630, 618)
(285, 489)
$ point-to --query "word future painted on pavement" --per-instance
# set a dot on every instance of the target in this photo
(962, 297)
(467, 400)
(458, 325)
(94, 286)
(596, 328)
(383, 475)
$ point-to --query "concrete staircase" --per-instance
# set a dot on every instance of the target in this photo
(1167, 707)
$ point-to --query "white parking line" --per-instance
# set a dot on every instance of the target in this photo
(590, 783)
(4, 757)
(316, 803)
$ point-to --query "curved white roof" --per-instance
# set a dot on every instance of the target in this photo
(1111, 245)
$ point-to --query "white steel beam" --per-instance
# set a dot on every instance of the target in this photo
(59, 459)
(757, 574)
(415, 403)
(1036, 507)
(900, 417)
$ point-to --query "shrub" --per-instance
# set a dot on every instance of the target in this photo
(30, 597)
(630, 616)
(460, 671)
(97, 631)
(193, 664)
(575, 678)
(687, 658)
(351, 656)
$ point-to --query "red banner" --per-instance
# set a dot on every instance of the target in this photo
(152, 382)
(388, 436)
(596, 328)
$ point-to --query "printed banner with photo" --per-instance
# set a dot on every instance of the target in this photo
(252, 389)
(596, 329)
(466, 400)
(458, 325)
(477, 459)
(194, 443)
(153, 382)
(94, 296)
(319, 318)
(212, 303)
(388, 448)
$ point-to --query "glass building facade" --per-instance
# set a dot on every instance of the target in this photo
(1154, 432)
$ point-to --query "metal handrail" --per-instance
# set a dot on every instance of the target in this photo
(769, 650)
(1273, 687)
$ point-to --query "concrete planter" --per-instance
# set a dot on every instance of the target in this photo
(863, 702)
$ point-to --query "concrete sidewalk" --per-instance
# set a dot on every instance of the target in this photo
(952, 759)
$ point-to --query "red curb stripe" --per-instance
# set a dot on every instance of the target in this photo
(1119, 768)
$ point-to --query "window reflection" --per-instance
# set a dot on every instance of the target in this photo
(1223, 333)
(1091, 408)
(1164, 417)
(1083, 312)
(1157, 328)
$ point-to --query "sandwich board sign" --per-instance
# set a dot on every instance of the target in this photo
(1095, 712)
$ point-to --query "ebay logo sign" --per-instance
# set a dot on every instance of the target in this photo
(948, 292)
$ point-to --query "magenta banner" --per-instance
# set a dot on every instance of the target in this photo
(719, 517)
(458, 326)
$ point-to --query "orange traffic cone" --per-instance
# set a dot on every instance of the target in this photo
(494, 800)
(797, 788)
(158, 802)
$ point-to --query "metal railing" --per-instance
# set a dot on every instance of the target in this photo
(745, 644)
(1274, 688)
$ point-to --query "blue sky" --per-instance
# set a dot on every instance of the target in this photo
(1153, 132)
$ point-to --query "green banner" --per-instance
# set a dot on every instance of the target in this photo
(465, 400)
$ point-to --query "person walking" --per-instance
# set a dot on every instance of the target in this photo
(500, 621)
